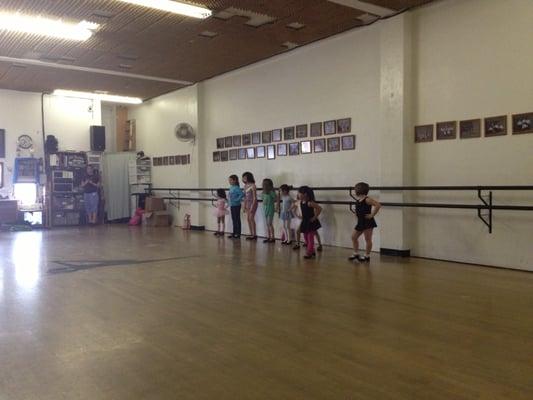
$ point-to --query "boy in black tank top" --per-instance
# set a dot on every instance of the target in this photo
(366, 209)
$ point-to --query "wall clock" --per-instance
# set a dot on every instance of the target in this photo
(25, 142)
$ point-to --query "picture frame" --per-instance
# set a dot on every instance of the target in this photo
(165, 160)
(277, 135)
(348, 142)
(155, 161)
(172, 160)
(260, 152)
(266, 137)
(344, 125)
(305, 147)
(447, 130)
(220, 143)
(216, 156)
(237, 140)
(242, 154)
(301, 131)
(228, 142)
(294, 149)
(250, 153)
(424, 133)
(233, 154)
(288, 133)
(186, 159)
(256, 138)
(330, 127)
(247, 139)
(316, 129)
(522, 123)
(319, 145)
(271, 152)
(496, 126)
(470, 128)
(282, 149)
(178, 159)
(224, 156)
(334, 144)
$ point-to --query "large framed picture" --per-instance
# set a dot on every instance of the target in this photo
(237, 140)
(216, 156)
(271, 152)
(282, 149)
(277, 135)
(305, 147)
(228, 141)
(266, 137)
(423, 133)
(242, 154)
(288, 133)
(344, 125)
(220, 143)
(247, 139)
(316, 129)
(319, 145)
(470, 128)
(250, 153)
(223, 156)
(348, 142)
(330, 127)
(301, 131)
(446, 130)
(496, 126)
(256, 138)
(334, 144)
(260, 151)
(522, 123)
(294, 149)
(233, 154)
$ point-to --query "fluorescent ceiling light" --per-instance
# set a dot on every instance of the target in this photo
(97, 96)
(175, 7)
(38, 25)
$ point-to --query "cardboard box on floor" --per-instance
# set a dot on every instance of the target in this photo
(156, 218)
(154, 204)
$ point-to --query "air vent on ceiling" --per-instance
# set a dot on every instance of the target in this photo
(102, 15)
(254, 19)
(290, 45)
(209, 34)
(129, 57)
(296, 26)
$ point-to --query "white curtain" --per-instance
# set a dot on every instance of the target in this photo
(116, 184)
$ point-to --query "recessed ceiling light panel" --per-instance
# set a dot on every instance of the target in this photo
(175, 7)
(98, 96)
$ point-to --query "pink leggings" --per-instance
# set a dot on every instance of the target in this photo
(309, 238)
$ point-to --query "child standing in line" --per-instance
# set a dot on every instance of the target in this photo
(269, 208)
(310, 223)
(235, 199)
(366, 209)
(220, 211)
(286, 213)
(250, 203)
(297, 212)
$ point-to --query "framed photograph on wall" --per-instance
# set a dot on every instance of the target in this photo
(250, 153)
(228, 142)
(156, 161)
(301, 131)
(305, 147)
(294, 149)
(242, 154)
(247, 139)
(233, 154)
(282, 149)
(266, 137)
(178, 160)
(348, 142)
(277, 135)
(187, 159)
(334, 144)
(216, 156)
(522, 123)
(344, 125)
(223, 156)
(237, 140)
(496, 126)
(446, 130)
(423, 133)
(260, 151)
(319, 145)
(288, 133)
(172, 160)
(330, 127)
(220, 143)
(316, 129)
(165, 160)
(256, 138)
(470, 128)
(271, 152)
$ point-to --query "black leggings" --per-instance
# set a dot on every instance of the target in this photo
(236, 218)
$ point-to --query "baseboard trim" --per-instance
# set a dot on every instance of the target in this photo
(395, 252)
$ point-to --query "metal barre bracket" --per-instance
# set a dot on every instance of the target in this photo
(487, 203)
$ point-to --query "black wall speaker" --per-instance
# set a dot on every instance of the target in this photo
(2, 143)
(97, 138)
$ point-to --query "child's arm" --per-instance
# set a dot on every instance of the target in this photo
(375, 207)
(316, 208)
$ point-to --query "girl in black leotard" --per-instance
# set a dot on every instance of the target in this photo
(310, 223)
(366, 209)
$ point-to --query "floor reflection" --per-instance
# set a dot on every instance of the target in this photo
(26, 258)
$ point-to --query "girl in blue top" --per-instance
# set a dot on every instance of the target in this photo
(286, 214)
(235, 199)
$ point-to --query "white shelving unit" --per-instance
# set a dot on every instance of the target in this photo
(140, 178)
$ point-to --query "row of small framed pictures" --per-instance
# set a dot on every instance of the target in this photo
(171, 160)
(287, 149)
(494, 126)
(315, 129)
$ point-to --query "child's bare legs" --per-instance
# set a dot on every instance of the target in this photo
(271, 231)
(319, 241)
(297, 239)
(355, 241)
(368, 240)
(251, 223)
(287, 231)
